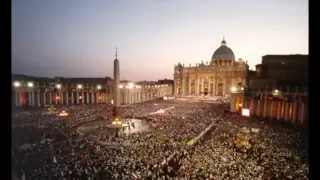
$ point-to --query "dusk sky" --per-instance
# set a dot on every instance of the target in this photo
(78, 38)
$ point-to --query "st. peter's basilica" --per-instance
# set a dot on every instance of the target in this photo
(214, 78)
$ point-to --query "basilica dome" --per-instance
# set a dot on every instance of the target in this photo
(223, 53)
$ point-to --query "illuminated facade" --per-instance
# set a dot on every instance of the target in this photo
(214, 78)
(39, 91)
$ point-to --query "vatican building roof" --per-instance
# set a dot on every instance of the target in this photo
(223, 53)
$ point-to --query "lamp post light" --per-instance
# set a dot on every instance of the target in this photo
(16, 84)
(30, 84)
(58, 86)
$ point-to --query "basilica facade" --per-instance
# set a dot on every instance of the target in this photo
(211, 78)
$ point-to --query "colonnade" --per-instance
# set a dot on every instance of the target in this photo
(33, 98)
(295, 111)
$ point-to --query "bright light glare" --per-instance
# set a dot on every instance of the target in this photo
(99, 87)
(30, 84)
(120, 86)
(79, 86)
(16, 84)
(58, 86)
(233, 89)
(242, 88)
(131, 85)
(240, 105)
(80, 97)
(276, 91)
(245, 112)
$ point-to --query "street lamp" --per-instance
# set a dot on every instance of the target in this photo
(79, 86)
(16, 84)
(30, 84)
(98, 87)
(276, 92)
(58, 86)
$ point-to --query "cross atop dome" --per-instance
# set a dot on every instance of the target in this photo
(116, 52)
(223, 42)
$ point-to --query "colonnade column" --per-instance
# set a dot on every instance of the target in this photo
(61, 94)
(67, 97)
(265, 106)
(57, 98)
(77, 96)
(72, 97)
(271, 111)
(286, 111)
(294, 112)
(87, 98)
(197, 85)
(302, 113)
(97, 98)
(92, 98)
(82, 96)
(17, 98)
(183, 85)
(44, 99)
(258, 108)
(279, 110)
(38, 99)
(50, 98)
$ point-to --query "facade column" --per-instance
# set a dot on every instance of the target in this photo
(224, 86)
(279, 110)
(286, 111)
(97, 98)
(38, 99)
(44, 99)
(50, 98)
(271, 110)
(182, 85)
(175, 86)
(17, 98)
(67, 97)
(217, 86)
(189, 89)
(294, 115)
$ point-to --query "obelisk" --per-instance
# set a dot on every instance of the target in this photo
(116, 116)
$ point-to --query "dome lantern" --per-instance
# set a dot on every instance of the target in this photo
(223, 42)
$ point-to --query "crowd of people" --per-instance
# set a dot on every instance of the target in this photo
(48, 147)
